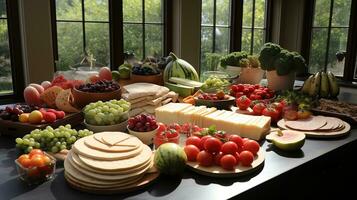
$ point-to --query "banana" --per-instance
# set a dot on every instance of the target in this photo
(315, 85)
(307, 85)
(334, 87)
(325, 88)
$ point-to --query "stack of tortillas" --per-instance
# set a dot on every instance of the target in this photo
(317, 126)
(109, 162)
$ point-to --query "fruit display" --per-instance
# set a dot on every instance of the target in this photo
(35, 167)
(253, 92)
(214, 84)
(253, 127)
(124, 71)
(65, 101)
(317, 126)
(142, 123)
(99, 86)
(106, 113)
(221, 149)
(49, 139)
(63, 83)
(286, 140)
(321, 84)
(218, 100)
(170, 159)
(146, 68)
(186, 82)
(13, 112)
(213, 96)
(109, 162)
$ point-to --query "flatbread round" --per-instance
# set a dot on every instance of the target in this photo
(310, 124)
(99, 145)
(82, 149)
(123, 164)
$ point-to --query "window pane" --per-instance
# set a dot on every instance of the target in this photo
(322, 12)
(153, 40)
(341, 13)
(70, 44)
(223, 12)
(5, 62)
(69, 10)
(132, 10)
(96, 10)
(259, 13)
(153, 11)
(133, 39)
(222, 40)
(207, 12)
(206, 46)
(97, 42)
(318, 49)
(258, 40)
(246, 38)
(2, 8)
(247, 13)
(338, 42)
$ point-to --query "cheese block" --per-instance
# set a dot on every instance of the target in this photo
(197, 117)
(169, 113)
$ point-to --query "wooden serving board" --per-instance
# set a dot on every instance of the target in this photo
(320, 134)
(19, 129)
(146, 180)
(219, 172)
(342, 116)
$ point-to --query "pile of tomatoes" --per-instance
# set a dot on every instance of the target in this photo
(227, 153)
(253, 92)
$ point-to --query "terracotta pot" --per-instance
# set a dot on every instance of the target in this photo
(250, 75)
(155, 79)
(277, 82)
(84, 98)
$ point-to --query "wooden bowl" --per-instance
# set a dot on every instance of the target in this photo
(84, 98)
(155, 79)
(219, 104)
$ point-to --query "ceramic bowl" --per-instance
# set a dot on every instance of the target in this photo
(84, 98)
(146, 137)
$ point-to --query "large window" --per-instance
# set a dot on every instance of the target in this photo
(254, 25)
(143, 27)
(93, 26)
(329, 35)
(11, 75)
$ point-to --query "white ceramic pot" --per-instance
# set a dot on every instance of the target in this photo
(277, 82)
(250, 75)
(233, 71)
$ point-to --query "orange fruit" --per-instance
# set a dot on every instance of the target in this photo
(24, 117)
(35, 117)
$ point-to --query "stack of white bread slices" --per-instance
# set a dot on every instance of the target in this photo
(253, 127)
(107, 162)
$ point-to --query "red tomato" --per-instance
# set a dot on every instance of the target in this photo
(176, 126)
(256, 86)
(271, 112)
(35, 152)
(236, 155)
(204, 159)
(278, 106)
(161, 128)
(24, 160)
(203, 140)
(212, 145)
(46, 159)
(217, 158)
(258, 108)
(171, 133)
(243, 102)
(246, 158)
(234, 88)
(37, 161)
(194, 140)
(239, 94)
(252, 146)
(228, 162)
(191, 152)
(236, 139)
(229, 148)
(251, 88)
(245, 91)
(245, 140)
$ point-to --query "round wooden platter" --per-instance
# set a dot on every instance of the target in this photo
(320, 134)
(219, 172)
(146, 180)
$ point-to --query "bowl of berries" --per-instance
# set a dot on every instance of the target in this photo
(219, 100)
(35, 167)
(102, 90)
(144, 127)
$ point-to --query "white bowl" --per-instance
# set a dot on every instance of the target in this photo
(146, 137)
(116, 127)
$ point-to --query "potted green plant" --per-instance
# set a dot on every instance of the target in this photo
(281, 66)
(244, 65)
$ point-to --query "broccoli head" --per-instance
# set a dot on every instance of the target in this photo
(299, 61)
(234, 59)
(284, 63)
(268, 54)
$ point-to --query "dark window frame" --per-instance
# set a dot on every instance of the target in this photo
(350, 60)
(115, 8)
(15, 46)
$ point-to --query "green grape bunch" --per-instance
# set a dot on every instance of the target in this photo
(52, 140)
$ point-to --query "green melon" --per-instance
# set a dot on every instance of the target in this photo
(170, 159)
(287, 140)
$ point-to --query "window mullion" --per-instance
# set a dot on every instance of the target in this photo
(143, 25)
(252, 33)
(214, 27)
(83, 29)
(328, 35)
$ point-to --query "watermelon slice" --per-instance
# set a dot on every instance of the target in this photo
(49, 96)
